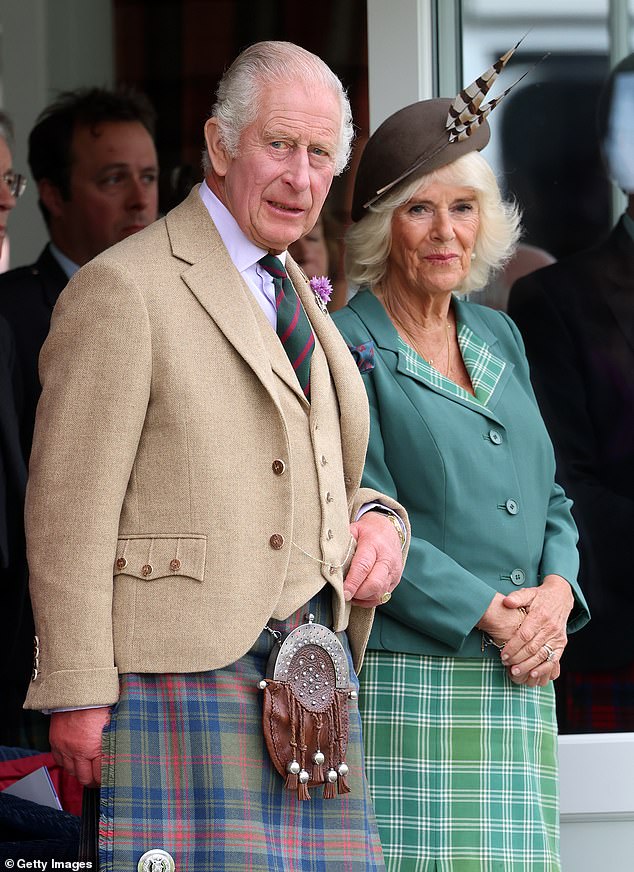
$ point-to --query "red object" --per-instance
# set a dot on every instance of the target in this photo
(67, 786)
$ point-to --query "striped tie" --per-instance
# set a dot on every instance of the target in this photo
(293, 327)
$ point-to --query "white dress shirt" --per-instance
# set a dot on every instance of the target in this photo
(244, 253)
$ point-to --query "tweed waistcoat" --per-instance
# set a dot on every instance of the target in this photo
(320, 527)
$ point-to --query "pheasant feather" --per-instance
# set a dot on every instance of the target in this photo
(466, 112)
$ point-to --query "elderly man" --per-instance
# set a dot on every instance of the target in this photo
(194, 494)
(577, 319)
(93, 158)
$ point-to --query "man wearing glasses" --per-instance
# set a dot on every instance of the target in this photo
(15, 643)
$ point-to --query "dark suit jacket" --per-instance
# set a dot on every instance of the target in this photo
(16, 628)
(27, 297)
(577, 320)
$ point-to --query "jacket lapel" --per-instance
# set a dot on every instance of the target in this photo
(213, 279)
(209, 273)
(386, 337)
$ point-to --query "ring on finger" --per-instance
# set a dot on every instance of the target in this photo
(387, 596)
(550, 652)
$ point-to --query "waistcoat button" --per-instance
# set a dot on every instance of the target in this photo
(276, 541)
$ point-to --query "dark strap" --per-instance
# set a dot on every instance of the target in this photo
(89, 829)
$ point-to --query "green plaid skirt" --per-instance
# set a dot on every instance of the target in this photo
(462, 765)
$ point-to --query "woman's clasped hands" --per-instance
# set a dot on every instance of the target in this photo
(534, 641)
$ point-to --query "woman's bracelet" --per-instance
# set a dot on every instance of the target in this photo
(489, 640)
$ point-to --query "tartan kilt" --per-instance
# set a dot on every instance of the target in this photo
(185, 769)
(462, 765)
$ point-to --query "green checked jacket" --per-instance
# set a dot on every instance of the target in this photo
(476, 474)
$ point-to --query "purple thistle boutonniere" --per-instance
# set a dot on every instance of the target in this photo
(322, 289)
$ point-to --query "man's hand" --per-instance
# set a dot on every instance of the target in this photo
(377, 563)
(75, 738)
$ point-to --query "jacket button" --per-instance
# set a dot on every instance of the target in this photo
(276, 541)
(495, 437)
(36, 658)
(147, 569)
(518, 576)
(278, 467)
(329, 497)
(175, 564)
(332, 570)
(121, 563)
(511, 507)
(323, 460)
(329, 534)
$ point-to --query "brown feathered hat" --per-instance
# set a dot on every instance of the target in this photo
(425, 136)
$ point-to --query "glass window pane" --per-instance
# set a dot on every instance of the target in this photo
(544, 142)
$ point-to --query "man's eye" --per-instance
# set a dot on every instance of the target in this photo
(278, 144)
(112, 179)
(150, 178)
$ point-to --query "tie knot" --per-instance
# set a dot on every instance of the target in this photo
(273, 266)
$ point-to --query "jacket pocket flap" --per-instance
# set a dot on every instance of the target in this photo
(152, 557)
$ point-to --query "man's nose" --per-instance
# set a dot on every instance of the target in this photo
(140, 193)
(298, 169)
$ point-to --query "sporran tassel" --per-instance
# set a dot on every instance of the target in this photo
(318, 756)
(303, 777)
(342, 768)
(330, 788)
(293, 766)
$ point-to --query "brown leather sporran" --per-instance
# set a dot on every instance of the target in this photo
(305, 718)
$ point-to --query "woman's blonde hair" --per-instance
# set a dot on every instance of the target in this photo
(368, 242)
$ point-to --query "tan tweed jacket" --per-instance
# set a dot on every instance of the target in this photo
(158, 522)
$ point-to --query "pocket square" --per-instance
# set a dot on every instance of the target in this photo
(363, 355)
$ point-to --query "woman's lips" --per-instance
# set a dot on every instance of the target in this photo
(441, 258)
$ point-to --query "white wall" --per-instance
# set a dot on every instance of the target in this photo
(399, 55)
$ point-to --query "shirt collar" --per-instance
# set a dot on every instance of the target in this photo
(69, 266)
(242, 251)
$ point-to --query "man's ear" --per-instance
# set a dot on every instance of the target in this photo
(218, 156)
(51, 196)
